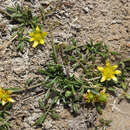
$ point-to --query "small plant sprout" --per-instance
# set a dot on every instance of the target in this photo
(38, 37)
(108, 72)
(5, 96)
(102, 98)
(89, 97)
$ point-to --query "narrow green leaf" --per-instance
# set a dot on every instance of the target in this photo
(55, 116)
(54, 101)
(28, 81)
(47, 94)
(41, 119)
(128, 96)
(124, 85)
(42, 106)
(115, 53)
(13, 89)
(98, 107)
(75, 108)
(111, 89)
(11, 10)
(73, 41)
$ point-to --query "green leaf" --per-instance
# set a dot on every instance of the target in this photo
(55, 116)
(13, 89)
(41, 119)
(98, 107)
(42, 106)
(28, 81)
(20, 46)
(11, 10)
(47, 94)
(111, 89)
(75, 108)
(124, 85)
(54, 101)
(128, 96)
(73, 41)
(95, 92)
(115, 53)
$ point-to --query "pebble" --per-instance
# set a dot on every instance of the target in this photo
(90, 6)
(86, 9)
(76, 26)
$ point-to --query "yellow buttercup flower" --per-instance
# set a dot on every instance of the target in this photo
(5, 96)
(38, 37)
(89, 97)
(108, 72)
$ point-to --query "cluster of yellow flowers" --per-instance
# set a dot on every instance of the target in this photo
(91, 98)
(108, 73)
(5, 96)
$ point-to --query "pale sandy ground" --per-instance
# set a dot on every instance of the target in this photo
(100, 20)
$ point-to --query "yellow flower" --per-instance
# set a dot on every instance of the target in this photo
(5, 96)
(108, 72)
(38, 37)
(89, 97)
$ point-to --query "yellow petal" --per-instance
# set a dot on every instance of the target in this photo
(35, 44)
(44, 34)
(3, 102)
(42, 41)
(114, 78)
(11, 100)
(107, 63)
(37, 29)
(103, 79)
(100, 68)
(0, 89)
(114, 67)
(31, 34)
(117, 72)
(9, 92)
(31, 39)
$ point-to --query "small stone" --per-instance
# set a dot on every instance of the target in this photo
(123, 1)
(76, 26)
(26, 125)
(86, 9)
(48, 124)
(56, 40)
(90, 6)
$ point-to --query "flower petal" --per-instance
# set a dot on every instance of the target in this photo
(103, 79)
(42, 41)
(11, 100)
(44, 34)
(31, 34)
(0, 89)
(114, 67)
(100, 68)
(37, 29)
(3, 102)
(31, 39)
(9, 92)
(107, 63)
(114, 78)
(117, 72)
(35, 44)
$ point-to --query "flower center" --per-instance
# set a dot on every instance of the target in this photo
(38, 36)
(4, 96)
(108, 72)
